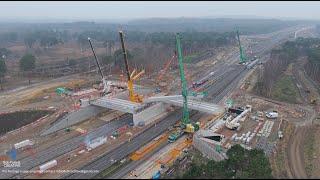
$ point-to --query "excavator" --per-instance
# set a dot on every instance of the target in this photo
(131, 77)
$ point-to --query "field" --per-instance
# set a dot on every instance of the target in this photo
(15, 120)
(285, 90)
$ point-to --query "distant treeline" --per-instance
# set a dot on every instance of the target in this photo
(246, 26)
(209, 31)
(288, 53)
(192, 40)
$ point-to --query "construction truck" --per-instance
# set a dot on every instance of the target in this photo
(115, 134)
(280, 134)
(272, 115)
(63, 91)
(157, 90)
(175, 135)
(202, 80)
(234, 124)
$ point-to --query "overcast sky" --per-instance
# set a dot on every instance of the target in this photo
(97, 10)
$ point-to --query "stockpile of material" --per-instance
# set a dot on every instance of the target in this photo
(266, 129)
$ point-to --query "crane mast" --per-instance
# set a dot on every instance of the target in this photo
(125, 56)
(185, 115)
(185, 125)
(133, 97)
(166, 67)
(105, 86)
(243, 58)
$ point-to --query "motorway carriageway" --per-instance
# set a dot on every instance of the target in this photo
(52, 152)
(215, 94)
(74, 143)
(223, 84)
(230, 80)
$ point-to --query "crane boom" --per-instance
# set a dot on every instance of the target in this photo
(164, 70)
(243, 58)
(185, 125)
(125, 56)
(131, 77)
(105, 86)
(138, 75)
(185, 116)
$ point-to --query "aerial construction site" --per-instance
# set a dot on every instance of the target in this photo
(161, 107)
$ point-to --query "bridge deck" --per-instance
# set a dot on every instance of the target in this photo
(117, 104)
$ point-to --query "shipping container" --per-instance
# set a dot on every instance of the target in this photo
(48, 165)
(23, 144)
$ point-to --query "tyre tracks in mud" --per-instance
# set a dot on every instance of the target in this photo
(295, 153)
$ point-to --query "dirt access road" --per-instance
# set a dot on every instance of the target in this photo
(295, 154)
(295, 149)
(13, 99)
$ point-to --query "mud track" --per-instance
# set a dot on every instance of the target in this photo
(295, 153)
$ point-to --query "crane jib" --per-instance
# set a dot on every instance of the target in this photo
(124, 55)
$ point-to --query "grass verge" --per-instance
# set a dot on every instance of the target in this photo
(309, 150)
(285, 90)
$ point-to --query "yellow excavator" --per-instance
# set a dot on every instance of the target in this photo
(131, 77)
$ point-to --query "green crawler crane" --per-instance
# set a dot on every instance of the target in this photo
(243, 58)
(185, 125)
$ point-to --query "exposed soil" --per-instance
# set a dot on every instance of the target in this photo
(296, 155)
(15, 120)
